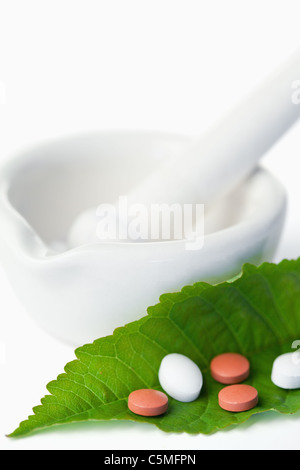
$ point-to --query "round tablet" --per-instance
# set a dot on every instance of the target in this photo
(286, 371)
(147, 402)
(238, 398)
(230, 368)
(180, 377)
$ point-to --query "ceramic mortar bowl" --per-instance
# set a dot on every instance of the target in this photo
(81, 294)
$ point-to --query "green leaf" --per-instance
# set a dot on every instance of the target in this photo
(257, 315)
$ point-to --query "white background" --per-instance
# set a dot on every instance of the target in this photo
(68, 66)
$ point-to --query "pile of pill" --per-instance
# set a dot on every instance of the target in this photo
(182, 380)
(231, 369)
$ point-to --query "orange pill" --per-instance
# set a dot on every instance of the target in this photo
(238, 398)
(147, 402)
(230, 368)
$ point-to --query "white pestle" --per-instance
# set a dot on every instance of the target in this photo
(218, 161)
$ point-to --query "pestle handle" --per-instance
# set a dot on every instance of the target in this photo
(215, 163)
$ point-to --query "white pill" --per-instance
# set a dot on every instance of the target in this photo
(180, 377)
(286, 371)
